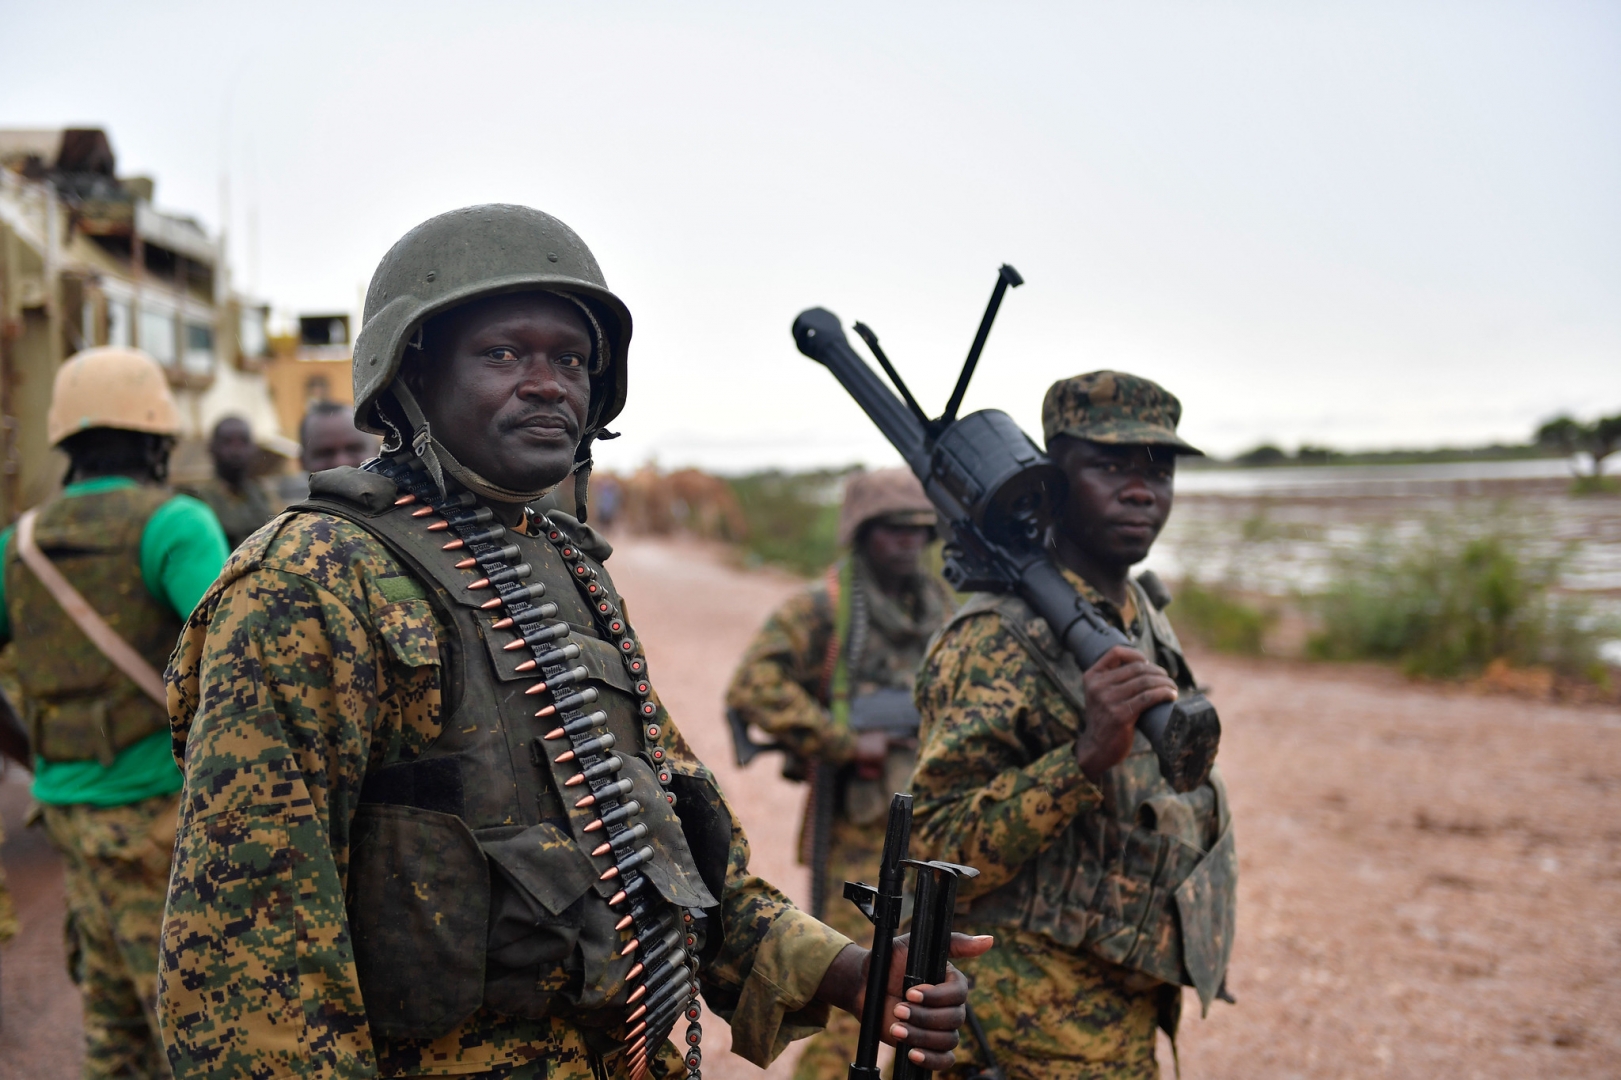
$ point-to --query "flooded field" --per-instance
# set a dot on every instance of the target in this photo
(1279, 532)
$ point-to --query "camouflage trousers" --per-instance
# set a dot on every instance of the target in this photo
(852, 856)
(1051, 1013)
(116, 875)
(8, 914)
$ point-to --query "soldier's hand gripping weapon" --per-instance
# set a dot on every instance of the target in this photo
(996, 493)
(934, 900)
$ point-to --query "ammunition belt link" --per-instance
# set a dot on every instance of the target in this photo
(665, 976)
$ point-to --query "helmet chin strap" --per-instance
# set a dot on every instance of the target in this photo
(439, 461)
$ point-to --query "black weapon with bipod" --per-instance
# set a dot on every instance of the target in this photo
(996, 493)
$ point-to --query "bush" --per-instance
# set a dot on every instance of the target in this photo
(1214, 617)
(1448, 604)
(1595, 485)
(792, 517)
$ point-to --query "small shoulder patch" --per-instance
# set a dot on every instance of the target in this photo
(401, 587)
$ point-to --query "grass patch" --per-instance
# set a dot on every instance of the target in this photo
(792, 517)
(1213, 616)
(1595, 485)
(1448, 604)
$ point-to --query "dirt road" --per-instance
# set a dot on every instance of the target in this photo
(1431, 880)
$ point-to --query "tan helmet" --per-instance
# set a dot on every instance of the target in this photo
(891, 495)
(111, 387)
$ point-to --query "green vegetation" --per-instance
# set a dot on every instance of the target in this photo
(792, 517)
(1595, 485)
(1560, 437)
(1214, 616)
(1267, 455)
(1447, 603)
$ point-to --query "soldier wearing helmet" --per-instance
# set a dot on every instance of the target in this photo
(830, 677)
(436, 820)
(1107, 890)
(138, 557)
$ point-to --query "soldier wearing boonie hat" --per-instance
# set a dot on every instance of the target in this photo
(1032, 771)
(830, 677)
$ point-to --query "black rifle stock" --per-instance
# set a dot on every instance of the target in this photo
(996, 493)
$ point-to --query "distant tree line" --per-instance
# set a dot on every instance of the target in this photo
(1598, 439)
(1562, 436)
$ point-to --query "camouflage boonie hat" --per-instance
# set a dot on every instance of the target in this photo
(1113, 407)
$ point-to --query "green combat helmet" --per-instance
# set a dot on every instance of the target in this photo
(465, 255)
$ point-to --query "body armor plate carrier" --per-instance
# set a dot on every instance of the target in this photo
(80, 706)
(1149, 879)
(540, 857)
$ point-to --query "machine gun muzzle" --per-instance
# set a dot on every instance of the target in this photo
(997, 493)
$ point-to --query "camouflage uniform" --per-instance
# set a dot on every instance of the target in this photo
(8, 911)
(1104, 898)
(316, 664)
(784, 686)
(116, 873)
(239, 512)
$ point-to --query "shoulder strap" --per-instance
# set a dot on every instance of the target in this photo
(102, 636)
(835, 671)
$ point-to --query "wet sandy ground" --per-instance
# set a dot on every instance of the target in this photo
(1430, 881)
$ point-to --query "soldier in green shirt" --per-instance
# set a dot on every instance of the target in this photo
(141, 557)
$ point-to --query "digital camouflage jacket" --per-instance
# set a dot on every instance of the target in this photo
(313, 664)
(785, 678)
(1126, 869)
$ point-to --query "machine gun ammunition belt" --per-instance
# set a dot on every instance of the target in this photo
(585, 734)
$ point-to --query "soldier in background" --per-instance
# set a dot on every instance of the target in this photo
(139, 557)
(235, 497)
(328, 438)
(830, 676)
(1107, 891)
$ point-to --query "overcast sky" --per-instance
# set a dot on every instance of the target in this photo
(1361, 224)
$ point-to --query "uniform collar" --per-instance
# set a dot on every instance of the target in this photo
(97, 485)
(1123, 619)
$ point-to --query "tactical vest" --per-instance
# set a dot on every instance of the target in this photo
(1148, 880)
(473, 878)
(866, 698)
(79, 706)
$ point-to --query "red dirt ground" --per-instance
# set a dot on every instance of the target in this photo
(1430, 880)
